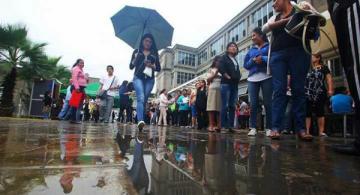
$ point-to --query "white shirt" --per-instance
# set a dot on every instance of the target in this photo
(259, 76)
(106, 82)
(236, 64)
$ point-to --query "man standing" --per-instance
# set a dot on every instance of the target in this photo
(345, 15)
(109, 85)
(287, 56)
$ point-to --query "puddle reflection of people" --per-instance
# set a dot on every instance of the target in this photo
(138, 173)
(220, 165)
(124, 144)
(70, 148)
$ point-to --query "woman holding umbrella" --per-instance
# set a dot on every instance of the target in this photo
(145, 61)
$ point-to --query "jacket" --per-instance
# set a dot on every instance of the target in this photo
(183, 105)
(137, 62)
(78, 78)
(249, 63)
(227, 66)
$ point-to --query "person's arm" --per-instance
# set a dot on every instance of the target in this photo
(248, 62)
(272, 24)
(330, 84)
(266, 28)
(135, 59)
(157, 64)
(223, 68)
(211, 75)
(74, 78)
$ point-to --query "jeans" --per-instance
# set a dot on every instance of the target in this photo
(296, 62)
(229, 94)
(64, 110)
(254, 89)
(287, 120)
(106, 106)
(143, 90)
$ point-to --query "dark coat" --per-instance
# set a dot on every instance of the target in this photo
(228, 66)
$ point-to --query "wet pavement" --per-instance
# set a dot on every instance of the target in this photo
(52, 157)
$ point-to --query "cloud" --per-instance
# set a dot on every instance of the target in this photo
(82, 29)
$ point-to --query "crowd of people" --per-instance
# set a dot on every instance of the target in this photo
(278, 68)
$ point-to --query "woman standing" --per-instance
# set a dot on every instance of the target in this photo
(183, 102)
(230, 71)
(145, 61)
(164, 103)
(317, 93)
(255, 63)
(200, 105)
(78, 83)
(192, 105)
(214, 96)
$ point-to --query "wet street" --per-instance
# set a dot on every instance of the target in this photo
(52, 157)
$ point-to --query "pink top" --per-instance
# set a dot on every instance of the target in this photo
(78, 77)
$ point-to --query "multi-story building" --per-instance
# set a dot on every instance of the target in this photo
(181, 64)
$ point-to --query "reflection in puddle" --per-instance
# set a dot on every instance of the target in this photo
(38, 157)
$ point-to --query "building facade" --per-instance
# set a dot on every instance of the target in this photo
(181, 64)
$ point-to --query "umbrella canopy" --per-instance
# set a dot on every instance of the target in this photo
(131, 23)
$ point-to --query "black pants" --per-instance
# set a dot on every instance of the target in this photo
(183, 117)
(122, 118)
(201, 118)
(345, 16)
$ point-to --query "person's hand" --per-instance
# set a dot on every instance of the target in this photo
(258, 60)
(227, 76)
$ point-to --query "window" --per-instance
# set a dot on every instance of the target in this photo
(183, 77)
(202, 57)
(185, 58)
(335, 67)
(217, 47)
(238, 32)
(262, 15)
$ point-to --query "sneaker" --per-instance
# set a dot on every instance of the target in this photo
(323, 135)
(252, 132)
(268, 132)
(141, 125)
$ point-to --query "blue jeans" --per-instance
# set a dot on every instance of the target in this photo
(254, 89)
(229, 94)
(143, 90)
(64, 110)
(296, 62)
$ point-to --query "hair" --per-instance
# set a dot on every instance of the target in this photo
(263, 35)
(217, 58)
(229, 44)
(110, 66)
(130, 86)
(153, 48)
(321, 58)
(204, 82)
(162, 91)
(77, 62)
(340, 90)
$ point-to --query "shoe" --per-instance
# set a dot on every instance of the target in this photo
(75, 122)
(268, 132)
(323, 135)
(349, 149)
(252, 132)
(141, 125)
(231, 130)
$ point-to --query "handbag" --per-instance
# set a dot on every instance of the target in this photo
(76, 98)
(103, 93)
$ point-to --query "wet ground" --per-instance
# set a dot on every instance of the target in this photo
(52, 157)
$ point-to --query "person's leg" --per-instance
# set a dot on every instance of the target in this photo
(140, 99)
(279, 72)
(160, 117)
(232, 101)
(148, 87)
(321, 125)
(109, 106)
(299, 63)
(225, 94)
(78, 111)
(253, 88)
(267, 91)
(165, 116)
(102, 109)
(211, 120)
(218, 120)
(308, 125)
(308, 116)
(64, 110)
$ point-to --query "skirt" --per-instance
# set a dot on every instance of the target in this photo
(214, 100)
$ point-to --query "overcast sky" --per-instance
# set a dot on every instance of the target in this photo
(82, 28)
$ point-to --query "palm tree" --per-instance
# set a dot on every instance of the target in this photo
(18, 54)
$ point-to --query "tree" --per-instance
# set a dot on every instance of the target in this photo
(18, 54)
